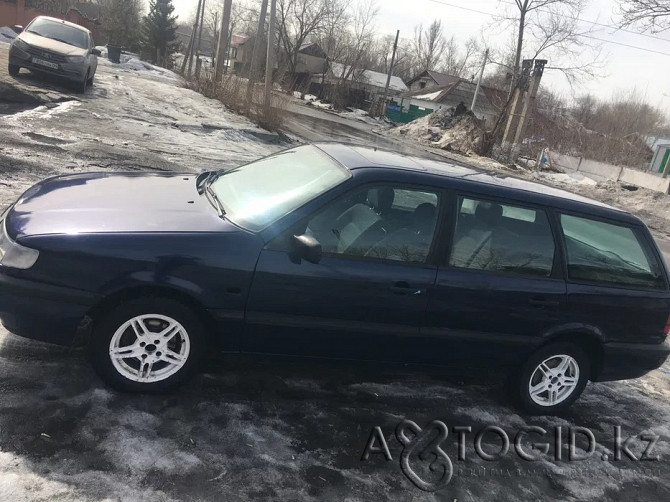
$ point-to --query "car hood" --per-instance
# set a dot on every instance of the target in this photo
(105, 203)
(51, 45)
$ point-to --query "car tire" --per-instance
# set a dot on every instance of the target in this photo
(552, 379)
(13, 70)
(82, 86)
(90, 81)
(147, 345)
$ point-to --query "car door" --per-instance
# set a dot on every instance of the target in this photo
(500, 285)
(367, 296)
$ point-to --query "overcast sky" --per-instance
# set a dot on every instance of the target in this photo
(626, 67)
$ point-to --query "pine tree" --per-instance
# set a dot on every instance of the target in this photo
(159, 32)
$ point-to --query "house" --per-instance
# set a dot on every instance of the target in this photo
(429, 79)
(363, 87)
(661, 158)
(21, 12)
(311, 59)
(415, 104)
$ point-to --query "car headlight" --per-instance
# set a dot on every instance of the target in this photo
(13, 254)
(75, 59)
(20, 44)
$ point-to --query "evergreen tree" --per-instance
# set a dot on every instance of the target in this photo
(159, 32)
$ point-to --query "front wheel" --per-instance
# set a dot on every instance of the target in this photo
(552, 378)
(146, 345)
(13, 70)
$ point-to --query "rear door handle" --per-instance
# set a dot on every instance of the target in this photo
(540, 301)
(404, 288)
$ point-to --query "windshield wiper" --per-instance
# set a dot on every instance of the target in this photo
(63, 41)
(217, 202)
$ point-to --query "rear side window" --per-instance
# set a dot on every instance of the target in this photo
(607, 253)
(502, 238)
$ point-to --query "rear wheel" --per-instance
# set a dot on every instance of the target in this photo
(552, 378)
(13, 69)
(146, 345)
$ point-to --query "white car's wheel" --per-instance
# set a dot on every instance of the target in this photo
(146, 345)
(553, 378)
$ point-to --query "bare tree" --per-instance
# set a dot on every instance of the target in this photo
(550, 29)
(652, 15)
(461, 63)
(355, 49)
(298, 20)
(429, 45)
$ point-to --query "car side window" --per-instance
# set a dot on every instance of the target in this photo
(381, 222)
(502, 238)
(608, 253)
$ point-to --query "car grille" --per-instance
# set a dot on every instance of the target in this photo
(46, 55)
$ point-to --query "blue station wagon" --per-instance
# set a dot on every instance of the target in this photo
(336, 251)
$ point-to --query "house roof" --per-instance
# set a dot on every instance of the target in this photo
(312, 49)
(440, 79)
(370, 77)
(489, 101)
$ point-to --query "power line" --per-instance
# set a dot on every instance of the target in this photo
(596, 23)
(627, 45)
(630, 46)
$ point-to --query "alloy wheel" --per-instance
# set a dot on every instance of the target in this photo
(554, 380)
(149, 348)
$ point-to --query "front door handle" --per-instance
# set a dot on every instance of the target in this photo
(404, 288)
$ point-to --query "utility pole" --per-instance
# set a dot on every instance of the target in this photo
(479, 81)
(256, 51)
(202, 19)
(188, 51)
(517, 105)
(195, 32)
(270, 58)
(524, 100)
(221, 50)
(388, 77)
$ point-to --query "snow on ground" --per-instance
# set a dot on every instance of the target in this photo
(7, 34)
(129, 120)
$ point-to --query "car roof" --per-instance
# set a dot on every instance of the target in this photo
(355, 157)
(62, 21)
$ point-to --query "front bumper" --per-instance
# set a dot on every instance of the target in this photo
(70, 71)
(42, 311)
(622, 361)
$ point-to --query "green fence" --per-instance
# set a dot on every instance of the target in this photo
(395, 113)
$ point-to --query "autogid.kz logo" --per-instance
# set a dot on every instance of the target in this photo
(424, 461)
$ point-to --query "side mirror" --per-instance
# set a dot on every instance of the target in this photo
(17, 28)
(307, 248)
(96, 52)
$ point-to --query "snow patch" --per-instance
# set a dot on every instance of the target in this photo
(7, 34)
(428, 97)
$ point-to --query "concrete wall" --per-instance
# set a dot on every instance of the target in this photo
(601, 171)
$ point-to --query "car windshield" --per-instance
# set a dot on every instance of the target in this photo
(59, 31)
(257, 194)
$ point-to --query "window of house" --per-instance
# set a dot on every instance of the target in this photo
(502, 238)
(608, 253)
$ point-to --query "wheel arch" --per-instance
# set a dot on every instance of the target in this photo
(120, 296)
(587, 338)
